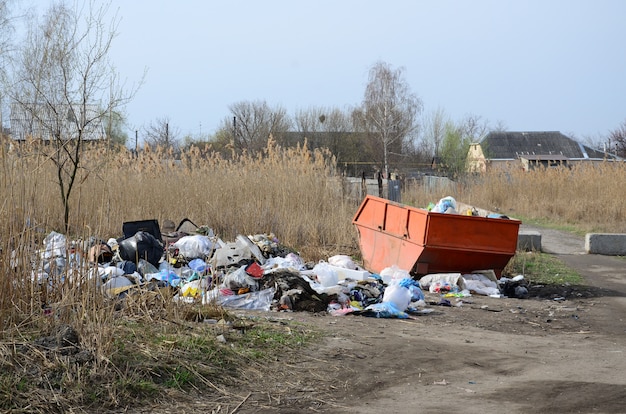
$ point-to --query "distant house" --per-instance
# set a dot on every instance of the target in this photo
(529, 150)
(43, 122)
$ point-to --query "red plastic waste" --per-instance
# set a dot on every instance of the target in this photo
(425, 242)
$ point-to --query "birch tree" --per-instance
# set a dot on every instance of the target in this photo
(389, 109)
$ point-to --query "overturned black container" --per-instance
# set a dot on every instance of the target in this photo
(130, 228)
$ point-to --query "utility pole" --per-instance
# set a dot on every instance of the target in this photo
(110, 116)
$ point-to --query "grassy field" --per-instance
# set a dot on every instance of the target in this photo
(293, 193)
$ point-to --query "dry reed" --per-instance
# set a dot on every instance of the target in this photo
(583, 198)
(293, 193)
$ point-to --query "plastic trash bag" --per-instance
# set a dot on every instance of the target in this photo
(142, 245)
(194, 288)
(290, 261)
(144, 267)
(445, 205)
(55, 245)
(440, 279)
(198, 265)
(55, 266)
(239, 279)
(165, 274)
(516, 287)
(481, 284)
(342, 260)
(416, 292)
(393, 272)
(195, 247)
(110, 271)
(259, 300)
(297, 261)
(398, 294)
(117, 286)
(384, 310)
(326, 276)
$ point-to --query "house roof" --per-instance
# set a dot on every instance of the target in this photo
(544, 157)
(513, 145)
(40, 121)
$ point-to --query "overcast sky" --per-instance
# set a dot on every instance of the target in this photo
(529, 64)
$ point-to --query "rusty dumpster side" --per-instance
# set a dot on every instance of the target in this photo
(424, 242)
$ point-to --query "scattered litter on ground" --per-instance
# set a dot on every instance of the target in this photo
(253, 272)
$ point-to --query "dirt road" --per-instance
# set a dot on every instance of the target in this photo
(560, 354)
(557, 352)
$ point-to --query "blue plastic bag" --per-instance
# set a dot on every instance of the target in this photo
(384, 310)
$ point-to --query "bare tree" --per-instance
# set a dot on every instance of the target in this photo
(473, 127)
(324, 127)
(309, 120)
(499, 126)
(6, 37)
(162, 133)
(252, 123)
(337, 128)
(435, 130)
(6, 32)
(617, 140)
(389, 109)
(65, 86)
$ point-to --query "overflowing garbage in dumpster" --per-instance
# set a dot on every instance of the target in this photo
(442, 239)
(252, 272)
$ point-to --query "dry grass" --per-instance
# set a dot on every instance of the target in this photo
(585, 198)
(132, 352)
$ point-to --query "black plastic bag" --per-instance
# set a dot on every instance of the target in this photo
(142, 245)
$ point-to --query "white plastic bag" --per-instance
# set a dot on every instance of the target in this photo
(445, 205)
(195, 247)
(326, 276)
(432, 279)
(342, 260)
(481, 284)
(393, 272)
(239, 279)
(399, 295)
(54, 245)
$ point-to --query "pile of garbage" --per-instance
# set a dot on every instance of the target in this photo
(252, 272)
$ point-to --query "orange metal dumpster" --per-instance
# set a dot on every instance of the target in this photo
(425, 242)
